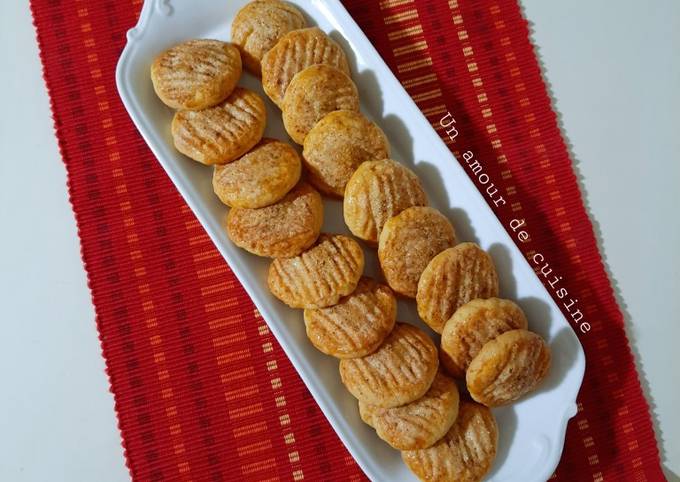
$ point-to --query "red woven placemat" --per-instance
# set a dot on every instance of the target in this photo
(202, 389)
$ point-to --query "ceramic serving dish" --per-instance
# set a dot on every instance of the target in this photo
(531, 431)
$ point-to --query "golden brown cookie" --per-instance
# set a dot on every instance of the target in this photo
(357, 325)
(293, 53)
(259, 25)
(313, 93)
(507, 367)
(281, 230)
(337, 145)
(377, 191)
(260, 178)
(196, 74)
(397, 373)
(451, 279)
(466, 452)
(222, 133)
(472, 326)
(408, 242)
(320, 276)
(418, 424)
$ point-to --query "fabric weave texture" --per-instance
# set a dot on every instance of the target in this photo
(202, 389)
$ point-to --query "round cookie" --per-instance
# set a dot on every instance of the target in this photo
(259, 25)
(196, 74)
(466, 452)
(222, 133)
(320, 276)
(419, 424)
(313, 93)
(293, 53)
(451, 279)
(508, 367)
(377, 191)
(337, 145)
(397, 373)
(357, 325)
(281, 230)
(472, 326)
(408, 242)
(260, 178)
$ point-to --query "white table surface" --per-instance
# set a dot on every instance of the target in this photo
(614, 71)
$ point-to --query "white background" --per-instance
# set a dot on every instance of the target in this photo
(614, 72)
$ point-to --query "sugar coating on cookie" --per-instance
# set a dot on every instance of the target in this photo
(313, 93)
(508, 367)
(320, 276)
(196, 74)
(377, 191)
(419, 424)
(259, 178)
(408, 242)
(259, 25)
(280, 230)
(400, 371)
(222, 133)
(357, 325)
(337, 145)
(464, 454)
(451, 279)
(472, 326)
(293, 53)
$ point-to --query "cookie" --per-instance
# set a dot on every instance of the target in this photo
(397, 373)
(451, 279)
(313, 93)
(408, 242)
(222, 133)
(259, 25)
(419, 424)
(357, 325)
(260, 178)
(293, 53)
(337, 145)
(466, 452)
(377, 191)
(472, 326)
(508, 367)
(281, 230)
(196, 74)
(320, 276)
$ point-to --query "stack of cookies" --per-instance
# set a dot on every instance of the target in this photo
(276, 211)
